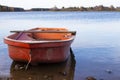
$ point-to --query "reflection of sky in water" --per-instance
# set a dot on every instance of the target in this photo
(96, 61)
(92, 16)
(100, 55)
(99, 34)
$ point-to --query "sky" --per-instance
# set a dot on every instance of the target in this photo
(28, 4)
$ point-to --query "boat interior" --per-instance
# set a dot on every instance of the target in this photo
(42, 34)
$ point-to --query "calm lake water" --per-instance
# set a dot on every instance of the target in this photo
(96, 48)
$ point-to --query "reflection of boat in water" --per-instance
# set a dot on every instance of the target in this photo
(44, 45)
(54, 71)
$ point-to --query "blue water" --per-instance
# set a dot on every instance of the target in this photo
(96, 46)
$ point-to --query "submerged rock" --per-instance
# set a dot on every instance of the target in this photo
(19, 67)
(29, 78)
(45, 76)
(63, 73)
(90, 78)
(48, 77)
(16, 67)
(109, 71)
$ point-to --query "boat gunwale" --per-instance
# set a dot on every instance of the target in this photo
(38, 41)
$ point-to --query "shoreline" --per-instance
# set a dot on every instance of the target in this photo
(89, 9)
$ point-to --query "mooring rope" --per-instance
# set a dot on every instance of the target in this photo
(28, 61)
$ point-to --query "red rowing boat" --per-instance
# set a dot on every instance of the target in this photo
(40, 45)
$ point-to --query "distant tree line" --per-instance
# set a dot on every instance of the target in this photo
(95, 8)
(12, 9)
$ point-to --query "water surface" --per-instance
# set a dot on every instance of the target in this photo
(96, 47)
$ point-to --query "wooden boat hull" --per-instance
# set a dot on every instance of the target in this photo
(38, 51)
(56, 52)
